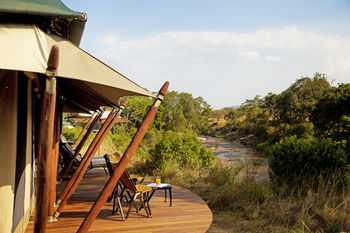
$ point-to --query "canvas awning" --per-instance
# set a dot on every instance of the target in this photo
(84, 118)
(83, 78)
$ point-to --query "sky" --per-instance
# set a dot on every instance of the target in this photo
(225, 51)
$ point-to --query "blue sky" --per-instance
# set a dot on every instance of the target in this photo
(225, 51)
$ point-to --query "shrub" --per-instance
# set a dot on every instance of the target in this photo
(71, 134)
(184, 149)
(292, 158)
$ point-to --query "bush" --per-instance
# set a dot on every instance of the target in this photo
(71, 134)
(184, 150)
(292, 158)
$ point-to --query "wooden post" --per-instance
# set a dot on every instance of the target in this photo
(54, 162)
(82, 162)
(82, 142)
(84, 128)
(107, 126)
(47, 114)
(113, 180)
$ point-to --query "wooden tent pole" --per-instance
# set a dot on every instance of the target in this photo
(47, 114)
(105, 131)
(82, 162)
(113, 180)
(84, 128)
(82, 142)
(54, 162)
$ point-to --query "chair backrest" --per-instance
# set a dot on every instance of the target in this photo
(109, 165)
(66, 145)
(125, 177)
(127, 181)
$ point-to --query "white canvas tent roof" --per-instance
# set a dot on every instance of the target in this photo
(86, 79)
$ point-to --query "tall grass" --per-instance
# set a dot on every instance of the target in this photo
(241, 203)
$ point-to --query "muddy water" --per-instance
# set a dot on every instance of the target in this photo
(236, 153)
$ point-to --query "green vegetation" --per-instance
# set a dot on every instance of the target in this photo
(304, 132)
(292, 158)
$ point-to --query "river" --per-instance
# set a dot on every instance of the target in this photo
(236, 153)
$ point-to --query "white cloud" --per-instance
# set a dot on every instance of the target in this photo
(272, 58)
(249, 54)
(107, 39)
(225, 68)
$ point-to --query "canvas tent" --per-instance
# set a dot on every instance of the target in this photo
(28, 29)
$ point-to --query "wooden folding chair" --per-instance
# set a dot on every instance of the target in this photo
(138, 191)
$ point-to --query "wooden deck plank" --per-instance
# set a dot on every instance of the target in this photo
(189, 212)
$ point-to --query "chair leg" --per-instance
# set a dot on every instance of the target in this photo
(143, 204)
(121, 209)
(164, 195)
(148, 206)
(132, 204)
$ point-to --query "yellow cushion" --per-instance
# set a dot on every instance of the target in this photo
(114, 159)
(143, 188)
(136, 176)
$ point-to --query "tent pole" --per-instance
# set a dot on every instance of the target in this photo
(47, 114)
(84, 128)
(111, 183)
(107, 126)
(81, 144)
(54, 162)
(87, 154)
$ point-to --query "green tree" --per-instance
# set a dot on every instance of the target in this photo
(297, 102)
(183, 112)
(331, 116)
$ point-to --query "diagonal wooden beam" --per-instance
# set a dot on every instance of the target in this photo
(113, 180)
(87, 154)
(105, 129)
(47, 114)
(82, 142)
(84, 128)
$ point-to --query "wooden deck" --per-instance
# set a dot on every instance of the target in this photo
(189, 212)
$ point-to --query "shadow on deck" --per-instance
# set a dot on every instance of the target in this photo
(189, 212)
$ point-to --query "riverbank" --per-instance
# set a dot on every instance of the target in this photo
(235, 153)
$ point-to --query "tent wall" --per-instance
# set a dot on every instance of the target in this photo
(8, 141)
(16, 143)
(24, 178)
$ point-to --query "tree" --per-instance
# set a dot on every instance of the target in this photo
(331, 116)
(183, 112)
(295, 104)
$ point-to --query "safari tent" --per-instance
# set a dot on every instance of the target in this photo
(43, 73)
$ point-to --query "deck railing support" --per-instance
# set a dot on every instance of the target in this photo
(47, 114)
(113, 180)
(78, 175)
(82, 142)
